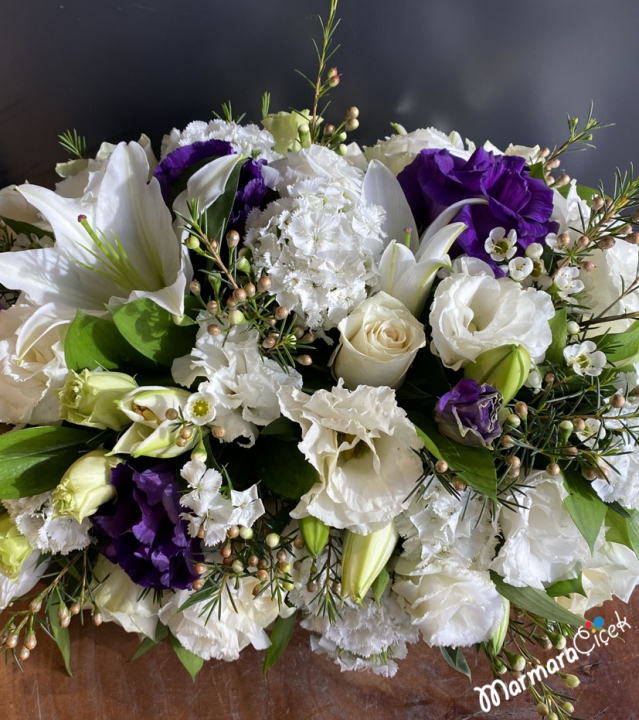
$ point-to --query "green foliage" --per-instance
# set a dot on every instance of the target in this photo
(284, 469)
(191, 662)
(217, 215)
(35, 459)
(620, 347)
(564, 588)
(74, 144)
(559, 328)
(280, 637)
(623, 530)
(584, 506)
(455, 658)
(148, 643)
(61, 636)
(585, 193)
(380, 584)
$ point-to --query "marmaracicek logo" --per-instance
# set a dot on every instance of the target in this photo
(596, 624)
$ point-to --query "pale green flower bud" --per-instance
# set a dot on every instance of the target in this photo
(505, 368)
(285, 128)
(496, 642)
(85, 486)
(314, 533)
(14, 548)
(88, 398)
(363, 558)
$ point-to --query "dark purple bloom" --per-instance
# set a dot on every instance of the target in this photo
(141, 529)
(469, 414)
(251, 187)
(435, 180)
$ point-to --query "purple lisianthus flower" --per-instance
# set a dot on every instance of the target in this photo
(435, 180)
(141, 529)
(469, 414)
(251, 188)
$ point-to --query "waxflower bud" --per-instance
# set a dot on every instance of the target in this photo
(314, 533)
(85, 486)
(505, 368)
(496, 642)
(88, 398)
(469, 414)
(363, 558)
(14, 548)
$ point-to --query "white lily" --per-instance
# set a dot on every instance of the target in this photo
(125, 249)
(407, 270)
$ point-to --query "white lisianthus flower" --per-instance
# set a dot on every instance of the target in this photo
(585, 359)
(32, 365)
(398, 151)
(379, 340)
(241, 392)
(361, 443)
(224, 633)
(211, 512)
(542, 543)
(473, 312)
(120, 600)
(452, 606)
(30, 574)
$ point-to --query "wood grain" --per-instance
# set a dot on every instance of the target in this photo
(106, 686)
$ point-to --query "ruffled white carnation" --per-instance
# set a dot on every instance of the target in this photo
(542, 543)
(34, 518)
(242, 385)
(320, 250)
(249, 140)
(223, 633)
(361, 443)
(452, 606)
(30, 574)
(473, 312)
(32, 365)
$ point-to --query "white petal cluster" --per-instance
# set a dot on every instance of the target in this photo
(622, 481)
(542, 543)
(241, 386)
(473, 312)
(34, 517)
(249, 140)
(571, 212)
(223, 633)
(361, 443)
(584, 358)
(30, 573)
(32, 365)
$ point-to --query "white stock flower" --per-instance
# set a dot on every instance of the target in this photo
(475, 312)
(500, 246)
(242, 386)
(452, 606)
(120, 600)
(35, 519)
(30, 574)
(585, 359)
(211, 511)
(32, 365)
(361, 443)
(379, 340)
(223, 633)
(542, 543)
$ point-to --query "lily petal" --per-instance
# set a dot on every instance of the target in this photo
(438, 244)
(448, 214)
(415, 284)
(396, 260)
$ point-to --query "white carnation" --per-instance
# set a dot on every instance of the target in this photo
(361, 443)
(542, 543)
(475, 312)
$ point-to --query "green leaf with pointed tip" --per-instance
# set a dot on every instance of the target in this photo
(61, 636)
(380, 583)
(564, 588)
(25, 228)
(191, 662)
(623, 530)
(455, 658)
(559, 328)
(280, 637)
(585, 507)
(537, 171)
(535, 601)
(283, 429)
(619, 347)
(217, 216)
(284, 469)
(585, 193)
(161, 633)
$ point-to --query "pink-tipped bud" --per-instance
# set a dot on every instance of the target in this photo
(81, 218)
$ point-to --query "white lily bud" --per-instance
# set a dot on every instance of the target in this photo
(363, 558)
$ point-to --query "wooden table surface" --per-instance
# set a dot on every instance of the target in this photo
(106, 686)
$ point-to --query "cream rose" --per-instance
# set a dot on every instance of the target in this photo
(379, 341)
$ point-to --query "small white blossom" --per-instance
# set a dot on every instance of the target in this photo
(568, 283)
(519, 268)
(585, 359)
(200, 409)
(533, 381)
(534, 251)
(500, 246)
(211, 511)
(593, 432)
(247, 507)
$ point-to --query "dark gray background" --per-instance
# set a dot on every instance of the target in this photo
(504, 70)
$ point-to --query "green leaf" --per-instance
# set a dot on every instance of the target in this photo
(180, 184)
(565, 588)
(25, 228)
(284, 429)
(559, 328)
(217, 215)
(380, 583)
(455, 658)
(148, 643)
(585, 193)
(191, 662)
(94, 342)
(35, 459)
(475, 466)
(150, 330)
(619, 347)
(61, 636)
(537, 171)
(585, 507)
(284, 469)
(535, 601)
(280, 638)
(623, 530)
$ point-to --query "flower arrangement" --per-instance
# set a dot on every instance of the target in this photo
(390, 393)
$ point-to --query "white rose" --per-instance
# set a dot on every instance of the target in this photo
(452, 606)
(475, 312)
(398, 151)
(122, 601)
(222, 634)
(379, 341)
(542, 543)
(361, 444)
(32, 363)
